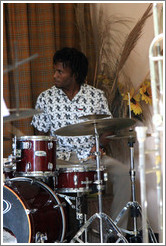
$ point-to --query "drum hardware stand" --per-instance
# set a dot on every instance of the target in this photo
(133, 205)
(67, 198)
(100, 215)
(79, 214)
(12, 157)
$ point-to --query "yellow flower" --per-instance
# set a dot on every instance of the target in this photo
(145, 91)
(134, 101)
(135, 106)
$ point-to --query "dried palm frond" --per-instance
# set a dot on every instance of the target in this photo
(113, 95)
(108, 39)
(131, 42)
(112, 48)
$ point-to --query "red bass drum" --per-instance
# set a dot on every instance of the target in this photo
(32, 212)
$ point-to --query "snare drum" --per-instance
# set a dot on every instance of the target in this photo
(36, 156)
(32, 212)
(76, 178)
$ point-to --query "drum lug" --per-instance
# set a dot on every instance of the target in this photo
(28, 211)
(50, 166)
(31, 211)
(75, 179)
(40, 237)
(50, 145)
(105, 176)
(28, 166)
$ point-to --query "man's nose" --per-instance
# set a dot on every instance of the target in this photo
(55, 74)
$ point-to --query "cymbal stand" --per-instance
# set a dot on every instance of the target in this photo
(100, 215)
(133, 205)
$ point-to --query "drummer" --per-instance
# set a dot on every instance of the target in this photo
(62, 104)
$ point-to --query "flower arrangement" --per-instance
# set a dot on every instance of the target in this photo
(111, 50)
(137, 98)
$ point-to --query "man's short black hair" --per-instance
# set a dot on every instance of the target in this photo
(75, 60)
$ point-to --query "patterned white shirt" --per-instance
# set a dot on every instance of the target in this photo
(59, 111)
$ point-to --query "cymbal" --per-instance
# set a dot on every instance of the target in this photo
(124, 134)
(12, 67)
(94, 116)
(21, 114)
(88, 127)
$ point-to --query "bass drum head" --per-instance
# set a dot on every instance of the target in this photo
(15, 218)
(37, 214)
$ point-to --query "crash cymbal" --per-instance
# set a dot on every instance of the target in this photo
(94, 116)
(21, 114)
(88, 127)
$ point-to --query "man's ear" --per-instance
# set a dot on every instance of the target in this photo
(75, 76)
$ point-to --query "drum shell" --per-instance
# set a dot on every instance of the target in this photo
(44, 213)
(37, 159)
(76, 179)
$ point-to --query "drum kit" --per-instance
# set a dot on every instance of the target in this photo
(37, 191)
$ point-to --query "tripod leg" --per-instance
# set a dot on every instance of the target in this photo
(112, 228)
(150, 231)
(83, 228)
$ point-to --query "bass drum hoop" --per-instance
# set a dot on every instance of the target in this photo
(24, 207)
(52, 193)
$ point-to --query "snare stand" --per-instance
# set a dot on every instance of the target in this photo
(100, 215)
(133, 205)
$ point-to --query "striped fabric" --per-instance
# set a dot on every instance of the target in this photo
(28, 29)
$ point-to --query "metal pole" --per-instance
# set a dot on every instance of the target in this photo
(99, 186)
(141, 136)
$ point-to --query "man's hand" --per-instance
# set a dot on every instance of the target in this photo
(103, 140)
(93, 150)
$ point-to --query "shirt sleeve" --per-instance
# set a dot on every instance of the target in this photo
(41, 121)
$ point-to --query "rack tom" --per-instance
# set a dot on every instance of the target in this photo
(76, 178)
(36, 156)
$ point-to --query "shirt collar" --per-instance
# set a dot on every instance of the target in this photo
(60, 91)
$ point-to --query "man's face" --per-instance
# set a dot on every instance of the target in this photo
(63, 77)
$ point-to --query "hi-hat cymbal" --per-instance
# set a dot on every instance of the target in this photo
(125, 134)
(122, 135)
(88, 127)
(21, 114)
(94, 116)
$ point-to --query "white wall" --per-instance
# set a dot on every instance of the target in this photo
(137, 67)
